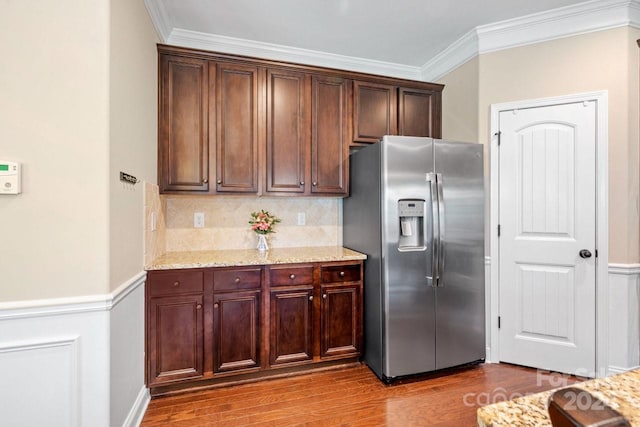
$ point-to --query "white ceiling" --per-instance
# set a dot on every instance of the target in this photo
(408, 32)
(394, 37)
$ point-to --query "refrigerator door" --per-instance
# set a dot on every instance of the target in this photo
(460, 301)
(409, 301)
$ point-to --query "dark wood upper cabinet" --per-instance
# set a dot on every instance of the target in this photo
(183, 162)
(237, 134)
(287, 131)
(236, 125)
(374, 111)
(330, 132)
(417, 110)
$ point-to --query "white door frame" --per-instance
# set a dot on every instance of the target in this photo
(602, 227)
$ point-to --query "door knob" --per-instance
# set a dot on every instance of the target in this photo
(585, 253)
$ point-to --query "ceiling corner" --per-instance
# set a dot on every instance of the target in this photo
(160, 18)
(581, 18)
(459, 52)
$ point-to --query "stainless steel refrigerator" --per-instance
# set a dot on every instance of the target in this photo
(416, 208)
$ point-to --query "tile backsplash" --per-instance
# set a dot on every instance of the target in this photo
(155, 239)
(226, 222)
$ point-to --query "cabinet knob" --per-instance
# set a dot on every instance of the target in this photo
(204, 181)
(237, 280)
(292, 276)
(199, 306)
(314, 183)
(342, 274)
(219, 181)
(301, 182)
(324, 296)
(310, 297)
(176, 283)
(215, 305)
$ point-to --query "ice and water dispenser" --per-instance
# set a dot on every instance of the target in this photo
(411, 217)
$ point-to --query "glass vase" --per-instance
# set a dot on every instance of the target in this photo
(262, 243)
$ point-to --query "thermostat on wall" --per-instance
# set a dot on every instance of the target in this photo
(9, 177)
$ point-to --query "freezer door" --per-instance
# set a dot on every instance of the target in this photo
(460, 315)
(409, 300)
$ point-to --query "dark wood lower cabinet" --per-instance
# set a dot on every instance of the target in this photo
(175, 347)
(291, 325)
(339, 334)
(236, 331)
(212, 326)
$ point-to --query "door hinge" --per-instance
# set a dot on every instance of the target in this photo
(499, 322)
(499, 230)
(498, 135)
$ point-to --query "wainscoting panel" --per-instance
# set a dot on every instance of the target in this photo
(55, 369)
(45, 372)
(624, 317)
(71, 362)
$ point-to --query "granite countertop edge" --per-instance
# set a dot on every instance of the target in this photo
(248, 257)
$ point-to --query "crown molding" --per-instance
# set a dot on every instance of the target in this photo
(581, 18)
(232, 45)
(456, 54)
(160, 18)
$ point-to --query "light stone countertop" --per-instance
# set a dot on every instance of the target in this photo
(240, 257)
(621, 392)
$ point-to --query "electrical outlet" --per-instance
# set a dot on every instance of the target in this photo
(302, 218)
(198, 219)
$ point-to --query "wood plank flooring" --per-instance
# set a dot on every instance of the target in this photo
(353, 397)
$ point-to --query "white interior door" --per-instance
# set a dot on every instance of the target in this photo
(547, 216)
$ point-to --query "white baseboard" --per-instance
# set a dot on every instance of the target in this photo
(58, 352)
(614, 370)
(134, 419)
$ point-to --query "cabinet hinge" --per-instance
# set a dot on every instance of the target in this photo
(499, 230)
(498, 134)
(499, 322)
(596, 253)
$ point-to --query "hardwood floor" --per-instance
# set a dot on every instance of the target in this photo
(353, 397)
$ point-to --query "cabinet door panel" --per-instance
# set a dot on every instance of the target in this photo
(236, 325)
(416, 109)
(183, 135)
(291, 326)
(237, 128)
(374, 111)
(339, 314)
(287, 131)
(329, 135)
(175, 339)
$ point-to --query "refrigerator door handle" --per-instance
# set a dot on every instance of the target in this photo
(441, 217)
(432, 252)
